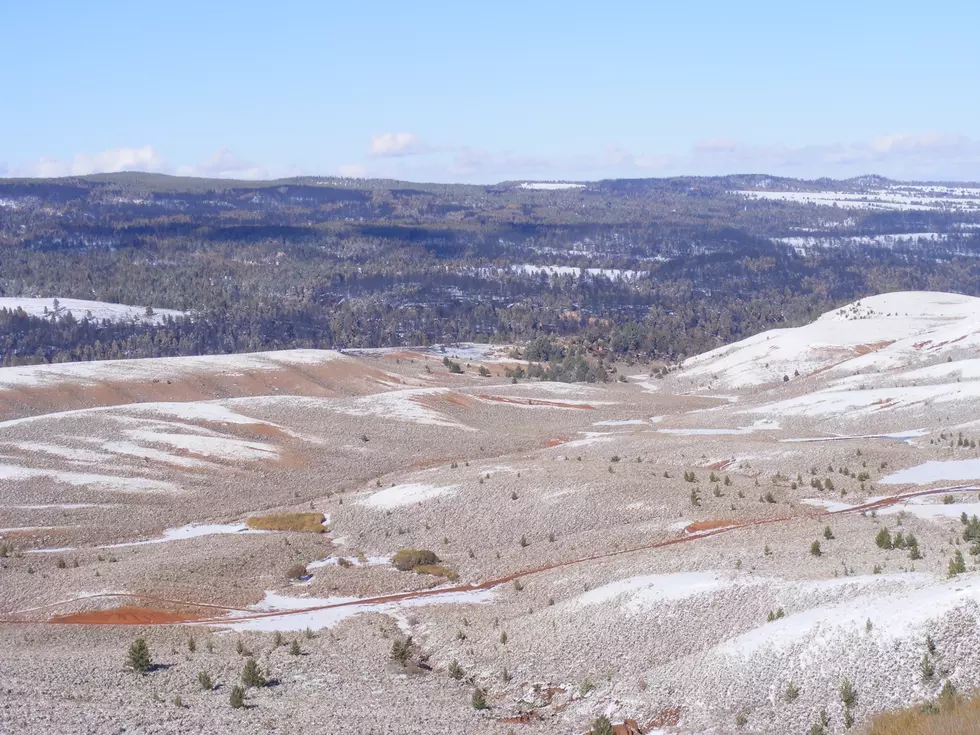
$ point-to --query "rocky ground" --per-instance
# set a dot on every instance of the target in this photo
(642, 549)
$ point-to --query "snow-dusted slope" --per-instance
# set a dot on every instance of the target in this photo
(161, 368)
(886, 332)
(81, 309)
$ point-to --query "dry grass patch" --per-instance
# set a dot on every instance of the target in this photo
(302, 522)
(949, 716)
(436, 570)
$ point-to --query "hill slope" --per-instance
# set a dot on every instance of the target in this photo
(648, 549)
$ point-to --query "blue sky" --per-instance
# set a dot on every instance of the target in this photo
(483, 92)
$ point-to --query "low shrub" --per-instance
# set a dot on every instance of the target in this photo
(405, 560)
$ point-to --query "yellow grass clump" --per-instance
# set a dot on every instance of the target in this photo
(303, 522)
(950, 715)
(436, 570)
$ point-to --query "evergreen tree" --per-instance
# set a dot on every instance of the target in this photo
(138, 658)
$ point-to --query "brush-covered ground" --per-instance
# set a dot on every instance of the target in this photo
(773, 537)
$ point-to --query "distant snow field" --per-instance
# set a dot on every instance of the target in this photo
(82, 309)
(567, 270)
(908, 198)
(550, 186)
(885, 240)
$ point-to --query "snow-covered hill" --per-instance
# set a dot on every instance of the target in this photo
(887, 332)
(81, 309)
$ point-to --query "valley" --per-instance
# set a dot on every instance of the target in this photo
(715, 544)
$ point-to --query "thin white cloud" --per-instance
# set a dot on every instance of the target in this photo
(924, 155)
(469, 161)
(146, 158)
(921, 155)
(716, 145)
(223, 164)
(912, 142)
(384, 145)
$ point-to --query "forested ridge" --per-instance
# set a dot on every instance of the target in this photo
(672, 267)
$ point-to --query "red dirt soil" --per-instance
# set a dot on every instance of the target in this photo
(723, 465)
(706, 526)
(125, 615)
(874, 347)
(628, 727)
(667, 717)
(526, 718)
(106, 616)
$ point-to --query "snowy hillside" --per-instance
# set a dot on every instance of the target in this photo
(82, 309)
(890, 331)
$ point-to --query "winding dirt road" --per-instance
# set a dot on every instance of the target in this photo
(244, 614)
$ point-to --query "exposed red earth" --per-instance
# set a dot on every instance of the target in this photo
(693, 532)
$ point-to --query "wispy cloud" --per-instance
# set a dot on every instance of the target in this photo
(146, 158)
(928, 154)
(933, 155)
(386, 145)
(224, 164)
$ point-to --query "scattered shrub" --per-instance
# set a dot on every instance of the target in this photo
(401, 650)
(237, 698)
(251, 675)
(405, 560)
(139, 658)
(957, 565)
(479, 699)
(792, 692)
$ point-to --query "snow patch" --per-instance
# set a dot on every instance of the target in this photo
(935, 471)
(329, 614)
(399, 495)
(82, 309)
